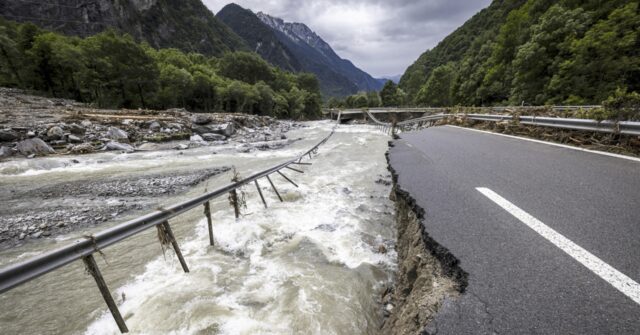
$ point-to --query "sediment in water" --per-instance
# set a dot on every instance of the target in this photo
(427, 272)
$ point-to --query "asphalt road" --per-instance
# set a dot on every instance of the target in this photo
(519, 281)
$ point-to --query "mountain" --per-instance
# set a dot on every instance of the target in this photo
(184, 24)
(533, 52)
(315, 52)
(395, 79)
(295, 47)
(260, 37)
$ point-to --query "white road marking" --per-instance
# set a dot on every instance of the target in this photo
(631, 158)
(617, 279)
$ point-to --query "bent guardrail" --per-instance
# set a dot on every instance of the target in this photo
(606, 126)
(22, 272)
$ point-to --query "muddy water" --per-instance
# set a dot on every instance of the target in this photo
(310, 265)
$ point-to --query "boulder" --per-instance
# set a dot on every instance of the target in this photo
(117, 134)
(155, 126)
(76, 129)
(86, 123)
(34, 146)
(213, 137)
(55, 133)
(8, 135)
(84, 148)
(118, 146)
(181, 146)
(196, 138)
(74, 139)
(226, 129)
(201, 119)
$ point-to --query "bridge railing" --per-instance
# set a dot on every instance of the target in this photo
(25, 271)
(605, 126)
(445, 110)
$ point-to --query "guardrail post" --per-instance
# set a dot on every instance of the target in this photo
(92, 268)
(260, 192)
(207, 213)
(167, 230)
(296, 170)
(233, 196)
(285, 177)
(275, 189)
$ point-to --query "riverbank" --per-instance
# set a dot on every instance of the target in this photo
(427, 274)
(33, 126)
(318, 261)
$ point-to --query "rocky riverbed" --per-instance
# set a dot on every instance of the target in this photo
(32, 126)
(56, 209)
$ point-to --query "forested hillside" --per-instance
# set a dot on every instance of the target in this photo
(533, 52)
(295, 47)
(113, 70)
(260, 38)
(184, 24)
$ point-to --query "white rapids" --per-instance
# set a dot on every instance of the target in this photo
(309, 265)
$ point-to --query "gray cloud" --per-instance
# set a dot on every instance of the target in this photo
(381, 37)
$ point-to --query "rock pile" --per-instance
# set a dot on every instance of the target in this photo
(33, 126)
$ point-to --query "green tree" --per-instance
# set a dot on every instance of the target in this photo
(389, 95)
(247, 67)
(119, 70)
(606, 58)
(438, 89)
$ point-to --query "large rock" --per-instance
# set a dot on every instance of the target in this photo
(196, 138)
(74, 139)
(201, 119)
(155, 126)
(225, 129)
(117, 134)
(77, 129)
(118, 146)
(84, 148)
(8, 135)
(55, 133)
(213, 137)
(34, 146)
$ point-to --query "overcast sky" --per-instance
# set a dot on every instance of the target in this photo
(382, 37)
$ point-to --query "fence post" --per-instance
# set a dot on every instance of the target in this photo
(92, 268)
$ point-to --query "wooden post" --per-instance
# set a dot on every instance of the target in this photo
(92, 268)
(207, 212)
(285, 177)
(275, 189)
(260, 192)
(234, 200)
(174, 243)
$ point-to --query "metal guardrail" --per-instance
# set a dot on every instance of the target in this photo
(607, 126)
(444, 110)
(22, 272)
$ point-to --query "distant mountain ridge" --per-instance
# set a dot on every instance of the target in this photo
(184, 24)
(300, 34)
(260, 38)
(295, 47)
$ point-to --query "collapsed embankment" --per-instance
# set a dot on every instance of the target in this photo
(427, 272)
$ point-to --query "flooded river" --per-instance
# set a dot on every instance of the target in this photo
(310, 265)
